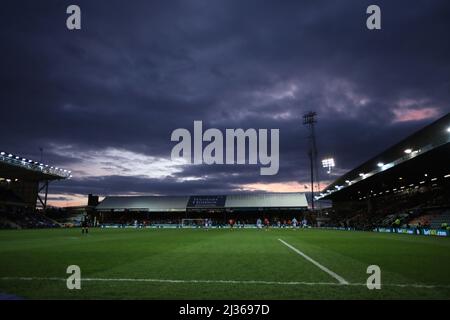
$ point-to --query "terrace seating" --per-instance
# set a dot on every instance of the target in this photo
(24, 218)
(437, 220)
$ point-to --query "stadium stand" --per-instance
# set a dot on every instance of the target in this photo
(408, 185)
(24, 218)
(171, 210)
(22, 181)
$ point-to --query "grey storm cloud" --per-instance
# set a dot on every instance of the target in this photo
(137, 71)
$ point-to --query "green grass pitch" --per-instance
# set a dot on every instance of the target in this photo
(221, 264)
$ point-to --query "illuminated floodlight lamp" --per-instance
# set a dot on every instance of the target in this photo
(448, 129)
(408, 151)
(328, 163)
(380, 164)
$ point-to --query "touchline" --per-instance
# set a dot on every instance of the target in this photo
(235, 151)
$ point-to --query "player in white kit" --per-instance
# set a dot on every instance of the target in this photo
(294, 223)
(259, 223)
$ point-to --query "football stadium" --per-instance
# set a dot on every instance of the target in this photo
(200, 155)
(390, 214)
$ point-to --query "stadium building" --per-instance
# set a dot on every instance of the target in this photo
(24, 187)
(409, 181)
(244, 208)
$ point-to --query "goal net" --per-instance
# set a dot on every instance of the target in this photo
(193, 223)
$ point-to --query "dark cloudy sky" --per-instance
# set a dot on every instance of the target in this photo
(104, 100)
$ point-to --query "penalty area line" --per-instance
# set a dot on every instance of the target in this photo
(241, 282)
(314, 262)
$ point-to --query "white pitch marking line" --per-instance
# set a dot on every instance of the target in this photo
(289, 283)
(321, 267)
(171, 281)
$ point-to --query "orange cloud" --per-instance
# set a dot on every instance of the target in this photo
(65, 200)
(405, 114)
(291, 186)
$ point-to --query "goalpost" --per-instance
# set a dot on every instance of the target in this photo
(193, 223)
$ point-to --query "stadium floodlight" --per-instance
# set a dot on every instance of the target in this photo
(10, 155)
(448, 129)
(2, 153)
(361, 174)
(408, 151)
(380, 164)
(328, 163)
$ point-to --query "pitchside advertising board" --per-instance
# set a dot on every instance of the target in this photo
(423, 231)
(206, 202)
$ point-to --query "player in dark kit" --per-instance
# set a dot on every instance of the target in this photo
(266, 223)
(85, 224)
